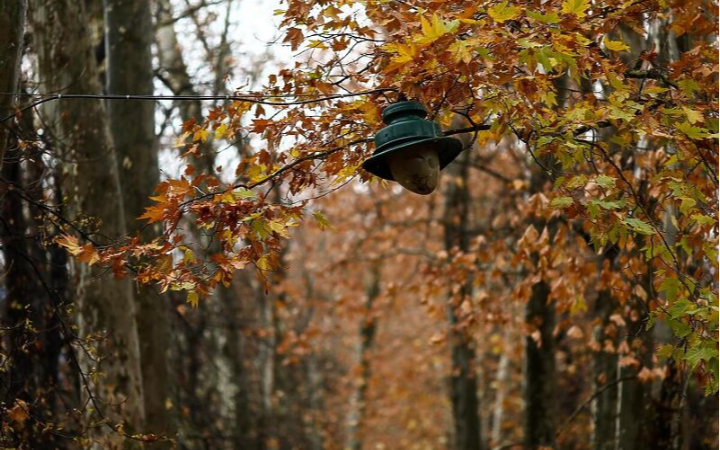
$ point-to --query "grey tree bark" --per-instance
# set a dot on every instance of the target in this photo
(12, 27)
(128, 42)
(66, 63)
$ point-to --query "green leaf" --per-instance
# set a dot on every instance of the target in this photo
(687, 204)
(693, 132)
(323, 223)
(561, 202)
(680, 329)
(502, 12)
(666, 351)
(551, 18)
(244, 193)
(689, 86)
(697, 354)
(640, 227)
(577, 182)
(605, 181)
(670, 287)
(692, 115)
(577, 7)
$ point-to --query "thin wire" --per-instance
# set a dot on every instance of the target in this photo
(253, 94)
(249, 98)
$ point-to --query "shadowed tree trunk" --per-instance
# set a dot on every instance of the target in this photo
(367, 337)
(128, 41)
(463, 379)
(32, 339)
(66, 62)
(605, 370)
(540, 402)
(12, 27)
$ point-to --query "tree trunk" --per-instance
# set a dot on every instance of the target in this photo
(367, 337)
(463, 378)
(32, 338)
(12, 27)
(91, 186)
(174, 74)
(540, 383)
(501, 380)
(605, 370)
(128, 41)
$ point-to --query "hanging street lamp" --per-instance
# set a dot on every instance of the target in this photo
(410, 149)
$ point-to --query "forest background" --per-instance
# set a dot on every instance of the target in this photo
(214, 269)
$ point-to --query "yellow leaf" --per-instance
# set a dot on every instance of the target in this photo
(70, 243)
(263, 263)
(193, 299)
(577, 7)
(180, 141)
(616, 46)
(221, 131)
(189, 257)
(323, 223)
(201, 135)
(692, 115)
(432, 31)
(502, 12)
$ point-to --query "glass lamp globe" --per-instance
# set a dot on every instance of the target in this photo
(416, 168)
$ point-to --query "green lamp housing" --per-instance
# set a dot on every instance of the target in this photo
(406, 130)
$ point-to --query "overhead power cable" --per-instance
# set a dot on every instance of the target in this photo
(248, 98)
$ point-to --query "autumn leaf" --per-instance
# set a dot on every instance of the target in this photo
(561, 202)
(605, 181)
(432, 31)
(577, 7)
(503, 12)
(693, 132)
(640, 226)
(193, 299)
(295, 37)
(322, 222)
(551, 17)
(616, 46)
(19, 413)
(70, 243)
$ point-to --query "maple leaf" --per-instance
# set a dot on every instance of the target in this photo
(70, 243)
(193, 299)
(503, 12)
(432, 31)
(577, 7)
(551, 18)
(294, 37)
(693, 132)
(322, 222)
(640, 226)
(616, 46)
(155, 213)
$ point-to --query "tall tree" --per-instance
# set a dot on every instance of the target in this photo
(358, 400)
(93, 196)
(128, 40)
(463, 376)
(12, 27)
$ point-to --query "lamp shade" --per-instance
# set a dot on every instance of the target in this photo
(407, 130)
